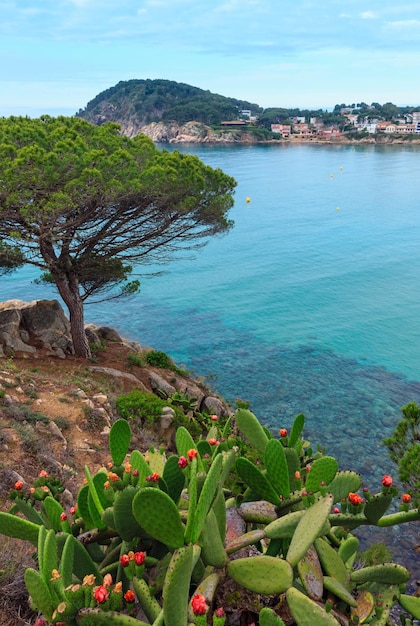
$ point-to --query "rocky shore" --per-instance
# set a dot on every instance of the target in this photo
(196, 132)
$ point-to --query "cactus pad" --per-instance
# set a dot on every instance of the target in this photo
(176, 586)
(376, 507)
(207, 495)
(267, 617)
(324, 470)
(410, 604)
(296, 430)
(285, 526)
(262, 574)
(119, 440)
(386, 573)
(310, 574)
(39, 592)
(255, 479)
(306, 612)
(124, 521)
(332, 564)
(156, 512)
(344, 483)
(334, 586)
(252, 430)
(308, 529)
(13, 526)
(277, 469)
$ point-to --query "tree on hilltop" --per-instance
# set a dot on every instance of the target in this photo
(84, 203)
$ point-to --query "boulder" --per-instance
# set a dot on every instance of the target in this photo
(30, 326)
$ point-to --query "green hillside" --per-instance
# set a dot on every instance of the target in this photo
(141, 102)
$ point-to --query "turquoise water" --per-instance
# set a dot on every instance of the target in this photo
(310, 304)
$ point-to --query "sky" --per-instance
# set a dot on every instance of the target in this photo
(57, 55)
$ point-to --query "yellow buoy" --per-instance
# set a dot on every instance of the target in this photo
(331, 175)
(248, 199)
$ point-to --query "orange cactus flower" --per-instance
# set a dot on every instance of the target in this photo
(129, 596)
(355, 499)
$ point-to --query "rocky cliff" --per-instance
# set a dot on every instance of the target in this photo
(191, 132)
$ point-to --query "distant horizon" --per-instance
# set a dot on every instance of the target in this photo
(55, 111)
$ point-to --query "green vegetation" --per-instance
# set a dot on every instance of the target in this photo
(404, 449)
(154, 533)
(83, 204)
(154, 100)
(140, 405)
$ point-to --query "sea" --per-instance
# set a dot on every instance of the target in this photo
(310, 304)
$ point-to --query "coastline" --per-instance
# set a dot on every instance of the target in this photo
(198, 133)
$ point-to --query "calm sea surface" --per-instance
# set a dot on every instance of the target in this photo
(310, 304)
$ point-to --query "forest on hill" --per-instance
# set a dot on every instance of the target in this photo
(163, 100)
(139, 102)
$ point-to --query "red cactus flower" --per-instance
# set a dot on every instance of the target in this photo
(18, 485)
(198, 604)
(336, 510)
(387, 481)
(43, 474)
(355, 499)
(406, 498)
(283, 432)
(153, 478)
(214, 418)
(72, 510)
(192, 454)
(220, 612)
(139, 558)
(63, 516)
(212, 441)
(124, 560)
(297, 475)
(129, 596)
(101, 594)
(41, 621)
(182, 462)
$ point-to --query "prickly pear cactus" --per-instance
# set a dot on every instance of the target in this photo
(267, 617)
(157, 513)
(176, 586)
(262, 574)
(308, 529)
(251, 429)
(277, 468)
(119, 440)
(323, 470)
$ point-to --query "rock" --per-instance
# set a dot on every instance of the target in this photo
(29, 326)
(109, 371)
(10, 436)
(56, 432)
(100, 398)
(158, 383)
(214, 405)
(109, 334)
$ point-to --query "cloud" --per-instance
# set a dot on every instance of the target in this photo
(368, 15)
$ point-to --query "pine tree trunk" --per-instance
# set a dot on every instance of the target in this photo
(68, 288)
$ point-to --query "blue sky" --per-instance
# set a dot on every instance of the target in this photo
(56, 55)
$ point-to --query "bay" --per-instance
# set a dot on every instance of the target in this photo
(309, 304)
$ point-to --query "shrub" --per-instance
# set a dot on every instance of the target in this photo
(140, 405)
